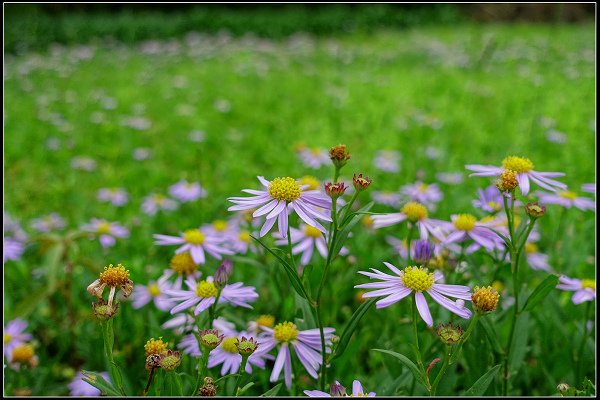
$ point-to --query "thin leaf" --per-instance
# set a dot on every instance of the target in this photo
(273, 391)
(411, 366)
(97, 381)
(479, 387)
(291, 272)
(242, 390)
(540, 292)
(351, 327)
(490, 332)
(519, 344)
(30, 303)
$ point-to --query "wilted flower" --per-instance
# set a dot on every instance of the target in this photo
(535, 210)
(507, 182)
(449, 334)
(208, 389)
(169, 360)
(103, 310)
(155, 346)
(113, 277)
(485, 299)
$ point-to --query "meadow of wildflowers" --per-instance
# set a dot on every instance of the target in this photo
(399, 214)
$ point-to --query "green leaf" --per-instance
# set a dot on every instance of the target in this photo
(290, 271)
(273, 391)
(490, 332)
(351, 327)
(242, 390)
(519, 344)
(419, 376)
(97, 381)
(30, 303)
(479, 387)
(540, 292)
(342, 236)
(307, 311)
(53, 264)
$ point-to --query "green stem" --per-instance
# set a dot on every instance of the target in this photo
(348, 206)
(445, 364)
(240, 375)
(409, 240)
(465, 337)
(417, 349)
(212, 311)
(150, 378)
(109, 338)
(579, 355)
(289, 238)
(201, 367)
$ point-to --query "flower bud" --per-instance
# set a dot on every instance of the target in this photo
(153, 361)
(361, 183)
(335, 339)
(339, 155)
(423, 251)
(485, 299)
(103, 310)
(210, 338)
(170, 361)
(562, 388)
(223, 273)
(246, 346)
(337, 390)
(208, 389)
(507, 182)
(450, 334)
(335, 190)
(534, 210)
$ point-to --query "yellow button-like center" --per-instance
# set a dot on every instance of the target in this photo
(153, 290)
(312, 232)
(465, 222)
(266, 320)
(312, 182)
(160, 199)
(244, 236)
(155, 346)
(229, 345)
(517, 164)
(285, 332)
(194, 236)
(114, 276)
(422, 188)
(567, 195)
(588, 283)
(22, 353)
(206, 289)
(7, 338)
(414, 211)
(286, 189)
(494, 206)
(103, 228)
(417, 278)
(531, 248)
(220, 225)
(183, 263)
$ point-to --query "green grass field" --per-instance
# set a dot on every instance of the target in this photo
(475, 93)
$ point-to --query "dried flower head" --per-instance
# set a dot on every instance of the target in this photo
(450, 334)
(113, 277)
(170, 360)
(210, 338)
(208, 389)
(485, 299)
(361, 183)
(246, 346)
(153, 361)
(335, 190)
(339, 155)
(155, 346)
(103, 310)
(507, 182)
(534, 210)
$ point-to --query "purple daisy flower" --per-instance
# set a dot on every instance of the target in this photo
(307, 238)
(202, 295)
(281, 196)
(415, 213)
(48, 223)
(107, 231)
(79, 387)
(567, 199)
(155, 291)
(589, 188)
(585, 289)
(14, 335)
(418, 280)
(489, 199)
(118, 197)
(306, 344)
(525, 173)
(428, 195)
(13, 249)
(450, 178)
(180, 323)
(196, 242)
(314, 158)
(337, 390)
(185, 191)
(387, 160)
(392, 199)
(156, 202)
(466, 226)
(535, 259)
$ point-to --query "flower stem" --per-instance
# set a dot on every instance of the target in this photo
(242, 371)
(408, 240)
(201, 367)
(466, 336)
(579, 354)
(150, 378)
(416, 349)
(442, 371)
(109, 338)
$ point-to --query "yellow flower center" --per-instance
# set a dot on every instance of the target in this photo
(220, 225)
(155, 346)
(517, 164)
(153, 290)
(485, 299)
(114, 276)
(414, 211)
(285, 332)
(312, 182)
(266, 320)
(286, 189)
(489, 218)
(206, 289)
(367, 221)
(183, 263)
(567, 195)
(588, 283)
(494, 206)
(103, 228)
(417, 278)
(7, 338)
(159, 199)
(465, 222)
(229, 345)
(193, 236)
(422, 188)
(22, 354)
(531, 248)
(245, 236)
(315, 151)
(312, 232)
